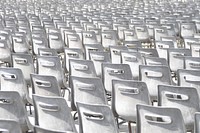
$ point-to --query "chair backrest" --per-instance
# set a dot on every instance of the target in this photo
(98, 58)
(184, 98)
(92, 47)
(5, 52)
(71, 53)
(162, 119)
(132, 44)
(56, 42)
(130, 35)
(25, 63)
(51, 110)
(74, 41)
(115, 53)
(81, 68)
(10, 126)
(39, 42)
(142, 33)
(154, 61)
(45, 85)
(109, 38)
(190, 78)
(195, 49)
(187, 29)
(19, 44)
(114, 71)
(148, 52)
(47, 52)
(176, 58)
(162, 47)
(38, 129)
(133, 59)
(89, 37)
(126, 94)
(154, 76)
(13, 108)
(159, 32)
(96, 118)
(87, 90)
(197, 122)
(12, 79)
(189, 40)
(192, 63)
(51, 65)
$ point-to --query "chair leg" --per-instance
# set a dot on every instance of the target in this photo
(117, 120)
(129, 127)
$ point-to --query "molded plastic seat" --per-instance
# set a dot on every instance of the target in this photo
(45, 85)
(87, 90)
(126, 94)
(176, 58)
(47, 52)
(133, 59)
(154, 61)
(20, 45)
(96, 118)
(51, 110)
(162, 119)
(25, 63)
(89, 37)
(162, 47)
(10, 126)
(12, 108)
(187, 29)
(192, 63)
(56, 42)
(98, 58)
(12, 79)
(154, 76)
(115, 53)
(109, 38)
(38, 129)
(114, 71)
(184, 98)
(190, 78)
(81, 68)
(51, 65)
(92, 48)
(5, 52)
(71, 53)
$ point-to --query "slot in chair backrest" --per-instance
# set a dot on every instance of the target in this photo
(162, 119)
(51, 110)
(96, 118)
